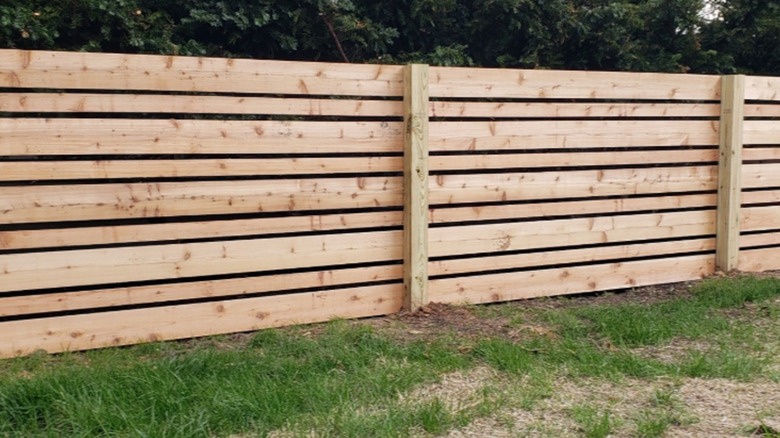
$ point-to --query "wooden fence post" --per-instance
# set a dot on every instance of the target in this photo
(729, 172)
(415, 186)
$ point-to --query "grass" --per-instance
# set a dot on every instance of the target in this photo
(349, 379)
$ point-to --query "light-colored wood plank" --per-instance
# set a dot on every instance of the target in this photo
(568, 159)
(562, 281)
(21, 204)
(762, 110)
(729, 172)
(559, 134)
(81, 332)
(177, 104)
(760, 154)
(143, 137)
(486, 238)
(760, 218)
(415, 237)
(570, 109)
(525, 260)
(560, 84)
(41, 270)
(760, 197)
(79, 70)
(64, 170)
(173, 231)
(454, 189)
(542, 209)
(762, 88)
(760, 132)
(761, 239)
(759, 260)
(760, 175)
(126, 296)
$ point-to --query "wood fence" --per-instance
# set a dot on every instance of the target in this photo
(145, 198)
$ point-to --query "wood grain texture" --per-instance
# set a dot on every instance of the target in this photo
(569, 109)
(760, 239)
(487, 238)
(24, 271)
(760, 175)
(760, 218)
(127, 296)
(761, 132)
(27, 204)
(560, 84)
(179, 104)
(762, 88)
(143, 137)
(559, 134)
(567, 256)
(64, 170)
(762, 110)
(759, 260)
(760, 197)
(566, 208)
(562, 281)
(79, 70)
(769, 153)
(454, 189)
(81, 332)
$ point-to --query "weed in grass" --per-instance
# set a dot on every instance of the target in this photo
(594, 424)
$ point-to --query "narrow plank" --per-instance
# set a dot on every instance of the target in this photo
(173, 231)
(760, 175)
(759, 260)
(542, 209)
(79, 70)
(138, 137)
(81, 332)
(760, 218)
(761, 197)
(562, 281)
(763, 110)
(182, 104)
(762, 88)
(510, 261)
(126, 296)
(415, 236)
(568, 159)
(570, 109)
(475, 239)
(64, 170)
(729, 172)
(760, 132)
(761, 154)
(561, 84)
(23, 204)
(762, 239)
(151, 262)
(556, 134)
(454, 189)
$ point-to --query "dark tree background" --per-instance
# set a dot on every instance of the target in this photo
(703, 36)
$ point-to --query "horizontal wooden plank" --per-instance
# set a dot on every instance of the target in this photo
(760, 218)
(42, 270)
(762, 88)
(125, 296)
(570, 109)
(63, 170)
(558, 134)
(81, 332)
(761, 132)
(63, 237)
(510, 261)
(760, 175)
(475, 239)
(137, 137)
(181, 104)
(568, 159)
(562, 281)
(560, 84)
(761, 239)
(22, 204)
(761, 154)
(454, 189)
(79, 70)
(764, 110)
(761, 197)
(542, 209)
(759, 260)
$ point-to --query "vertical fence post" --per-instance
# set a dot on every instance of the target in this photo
(729, 172)
(415, 186)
